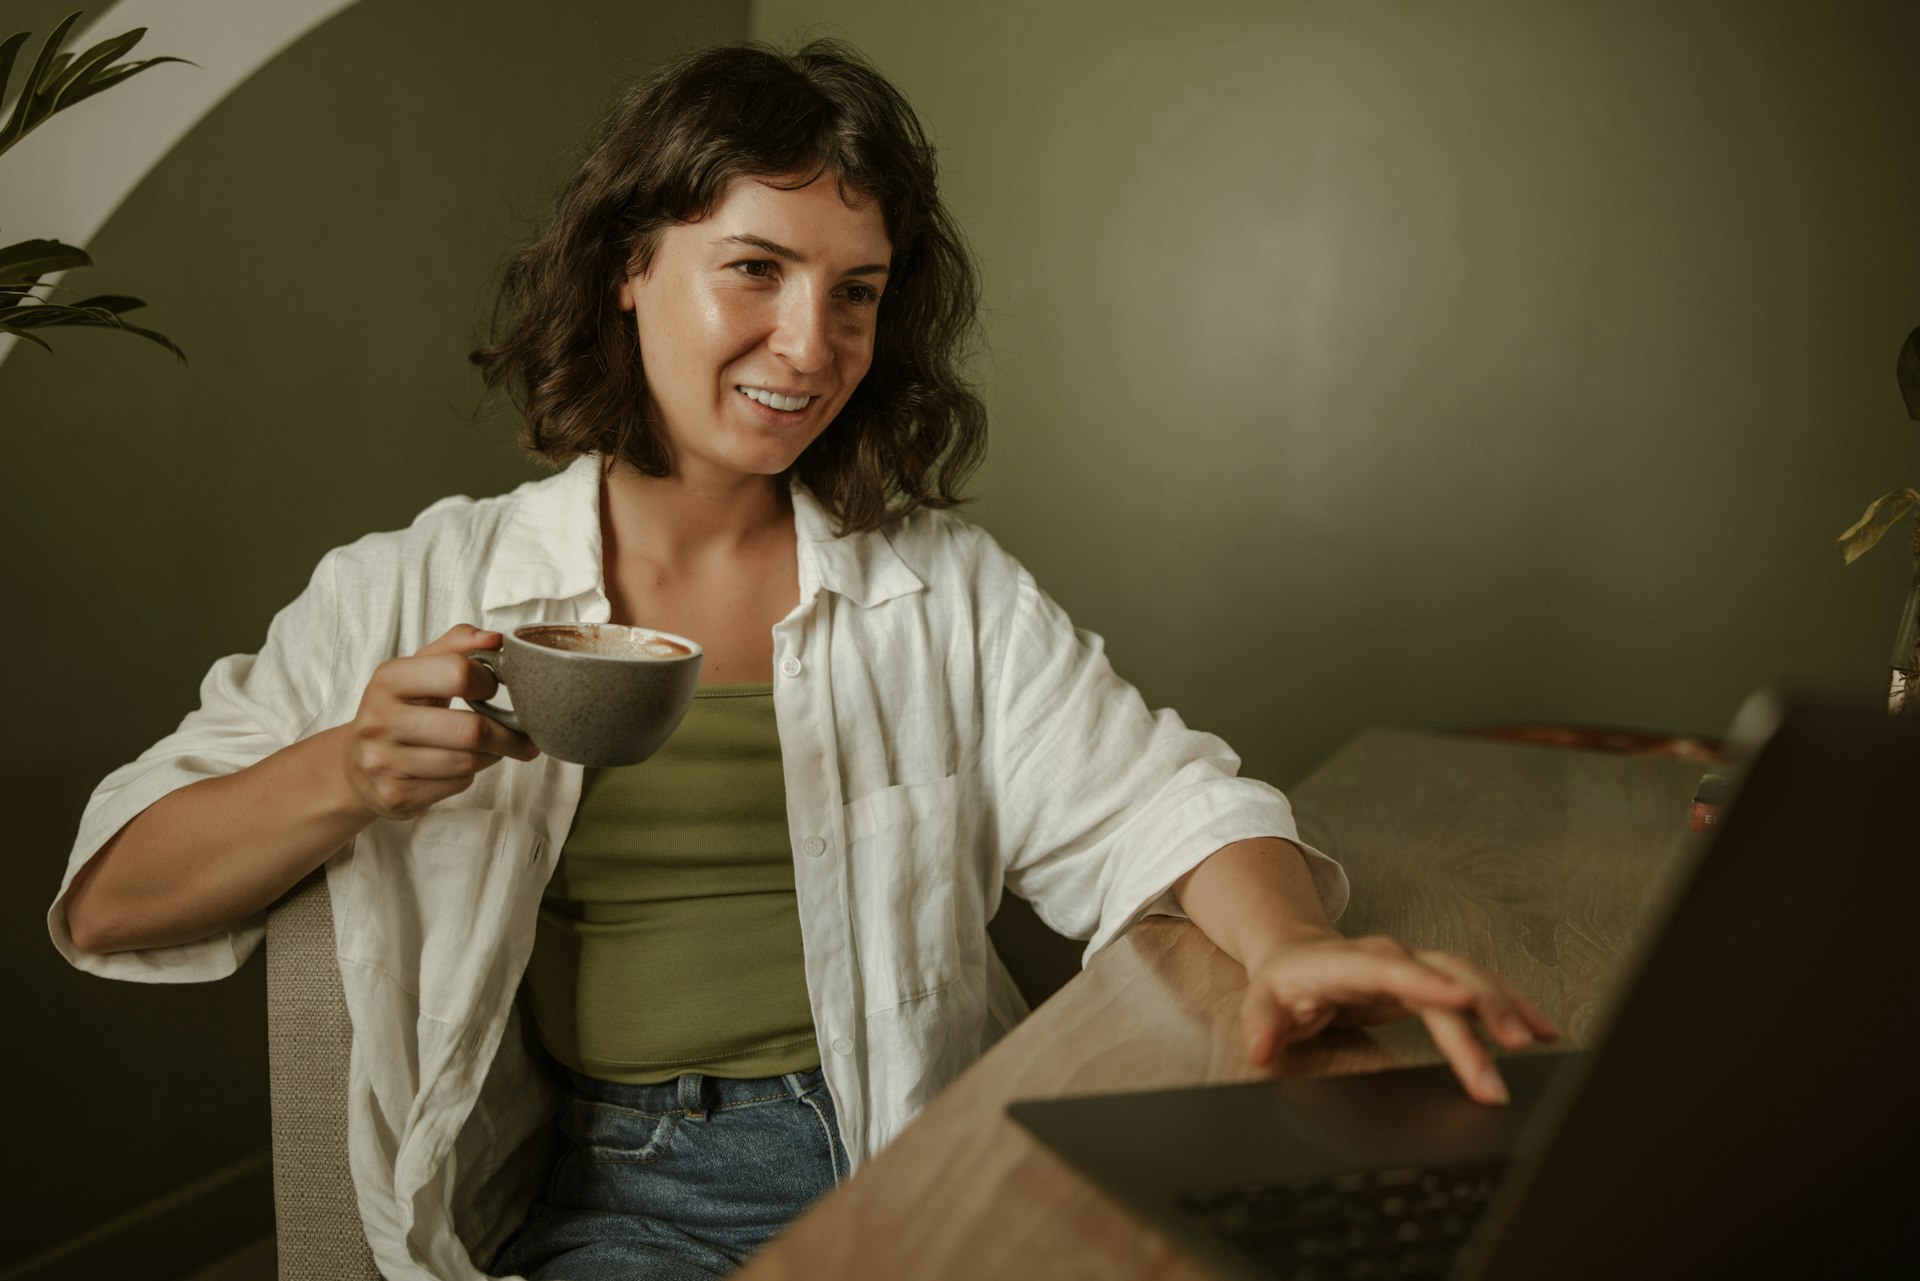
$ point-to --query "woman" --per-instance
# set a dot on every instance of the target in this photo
(757, 955)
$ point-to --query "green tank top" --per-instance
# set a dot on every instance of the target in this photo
(669, 936)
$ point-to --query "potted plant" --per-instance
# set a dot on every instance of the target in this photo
(57, 81)
(1904, 694)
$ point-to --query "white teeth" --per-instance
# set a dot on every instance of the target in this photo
(773, 399)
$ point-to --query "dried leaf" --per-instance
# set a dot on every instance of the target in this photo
(1869, 529)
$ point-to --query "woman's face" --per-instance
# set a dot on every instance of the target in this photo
(757, 322)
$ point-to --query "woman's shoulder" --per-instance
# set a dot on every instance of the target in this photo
(965, 571)
(462, 530)
(939, 544)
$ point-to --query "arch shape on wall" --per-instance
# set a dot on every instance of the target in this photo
(66, 179)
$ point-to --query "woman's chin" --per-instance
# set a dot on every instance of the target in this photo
(741, 465)
(769, 457)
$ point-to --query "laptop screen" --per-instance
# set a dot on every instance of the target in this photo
(1754, 1084)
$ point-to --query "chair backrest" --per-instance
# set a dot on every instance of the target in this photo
(316, 1215)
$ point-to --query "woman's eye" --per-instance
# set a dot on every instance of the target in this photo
(757, 268)
(862, 295)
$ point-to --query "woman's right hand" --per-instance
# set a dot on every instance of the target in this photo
(407, 748)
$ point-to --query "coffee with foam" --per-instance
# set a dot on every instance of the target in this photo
(609, 640)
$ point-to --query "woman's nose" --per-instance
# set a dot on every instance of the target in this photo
(800, 333)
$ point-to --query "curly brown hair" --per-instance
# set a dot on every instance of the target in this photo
(914, 429)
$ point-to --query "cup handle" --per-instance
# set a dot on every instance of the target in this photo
(491, 660)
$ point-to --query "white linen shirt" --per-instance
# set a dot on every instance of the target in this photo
(946, 734)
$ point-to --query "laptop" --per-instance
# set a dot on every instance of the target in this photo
(1750, 1109)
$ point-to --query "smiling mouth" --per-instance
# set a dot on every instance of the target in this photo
(774, 400)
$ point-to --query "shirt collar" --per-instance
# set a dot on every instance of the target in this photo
(862, 567)
(550, 548)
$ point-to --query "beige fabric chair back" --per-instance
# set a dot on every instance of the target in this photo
(316, 1216)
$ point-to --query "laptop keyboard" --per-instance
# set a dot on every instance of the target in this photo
(1389, 1225)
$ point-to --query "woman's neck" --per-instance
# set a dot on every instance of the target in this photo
(680, 520)
(717, 563)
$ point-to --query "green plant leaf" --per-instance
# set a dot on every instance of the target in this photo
(91, 71)
(41, 314)
(115, 303)
(59, 80)
(118, 304)
(9, 50)
(54, 69)
(1869, 529)
(1909, 371)
(114, 75)
(26, 262)
(23, 107)
(63, 78)
(35, 339)
(47, 315)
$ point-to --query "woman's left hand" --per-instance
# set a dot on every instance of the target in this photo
(1305, 986)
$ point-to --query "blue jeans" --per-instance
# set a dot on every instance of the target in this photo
(683, 1179)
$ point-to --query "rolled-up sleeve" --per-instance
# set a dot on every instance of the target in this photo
(251, 705)
(1101, 803)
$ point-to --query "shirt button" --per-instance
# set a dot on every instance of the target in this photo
(841, 1045)
(813, 847)
(790, 665)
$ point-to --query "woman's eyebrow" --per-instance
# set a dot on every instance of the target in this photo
(794, 255)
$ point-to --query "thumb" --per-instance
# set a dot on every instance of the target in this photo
(1264, 1026)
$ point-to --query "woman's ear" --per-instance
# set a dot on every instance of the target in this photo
(626, 294)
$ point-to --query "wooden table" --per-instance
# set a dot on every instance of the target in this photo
(1543, 864)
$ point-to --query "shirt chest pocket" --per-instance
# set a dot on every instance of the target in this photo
(904, 870)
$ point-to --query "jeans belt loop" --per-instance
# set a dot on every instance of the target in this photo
(691, 1100)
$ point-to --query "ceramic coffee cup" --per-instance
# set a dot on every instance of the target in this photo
(593, 693)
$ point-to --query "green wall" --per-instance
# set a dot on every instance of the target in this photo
(322, 246)
(1436, 363)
